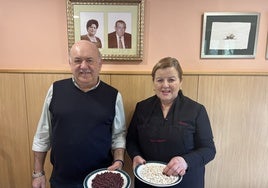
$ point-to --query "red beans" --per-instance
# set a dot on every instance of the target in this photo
(107, 180)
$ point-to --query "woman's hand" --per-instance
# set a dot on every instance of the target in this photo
(138, 160)
(176, 166)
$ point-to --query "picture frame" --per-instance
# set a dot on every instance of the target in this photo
(229, 34)
(111, 16)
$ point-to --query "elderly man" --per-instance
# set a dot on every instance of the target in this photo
(82, 122)
(119, 38)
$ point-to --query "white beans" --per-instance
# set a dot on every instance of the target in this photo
(153, 173)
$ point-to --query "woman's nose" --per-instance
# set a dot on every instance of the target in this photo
(165, 83)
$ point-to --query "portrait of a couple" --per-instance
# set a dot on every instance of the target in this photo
(118, 38)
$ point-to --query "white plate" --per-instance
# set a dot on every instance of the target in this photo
(88, 179)
(139, 170)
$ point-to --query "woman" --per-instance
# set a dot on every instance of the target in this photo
(171, 128)
(92, 27)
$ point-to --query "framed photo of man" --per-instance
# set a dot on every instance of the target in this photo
(116, 27)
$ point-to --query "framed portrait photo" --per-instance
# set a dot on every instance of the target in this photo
(229, 35)
(116, 27)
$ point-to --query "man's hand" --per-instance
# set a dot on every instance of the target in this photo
(39, 182)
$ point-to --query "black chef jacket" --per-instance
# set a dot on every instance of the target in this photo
(185, 132)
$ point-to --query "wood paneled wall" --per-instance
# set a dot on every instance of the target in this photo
(237, 106)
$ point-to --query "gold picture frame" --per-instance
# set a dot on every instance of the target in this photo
(107, 13)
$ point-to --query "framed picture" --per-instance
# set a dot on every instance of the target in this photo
(116, 26)
(229, 35)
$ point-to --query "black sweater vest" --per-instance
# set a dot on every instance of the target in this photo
(81, 130)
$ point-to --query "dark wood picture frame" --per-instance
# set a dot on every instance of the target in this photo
(229, 35)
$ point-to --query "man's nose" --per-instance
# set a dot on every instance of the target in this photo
(84, 64)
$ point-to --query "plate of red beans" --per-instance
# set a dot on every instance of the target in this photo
(103, 178)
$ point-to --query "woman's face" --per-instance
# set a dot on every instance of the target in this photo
(167, 84)
(92, 30)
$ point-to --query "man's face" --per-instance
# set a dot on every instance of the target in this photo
(120, 29)
(85, 63)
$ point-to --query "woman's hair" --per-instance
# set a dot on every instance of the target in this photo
(92, 21)
(166, 63)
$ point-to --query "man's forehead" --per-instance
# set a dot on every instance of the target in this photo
(83, 44)
(83, 57)
(84, 51)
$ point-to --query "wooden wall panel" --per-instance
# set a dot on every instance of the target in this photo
(190, 86)
(238, 108)
(14, 138)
